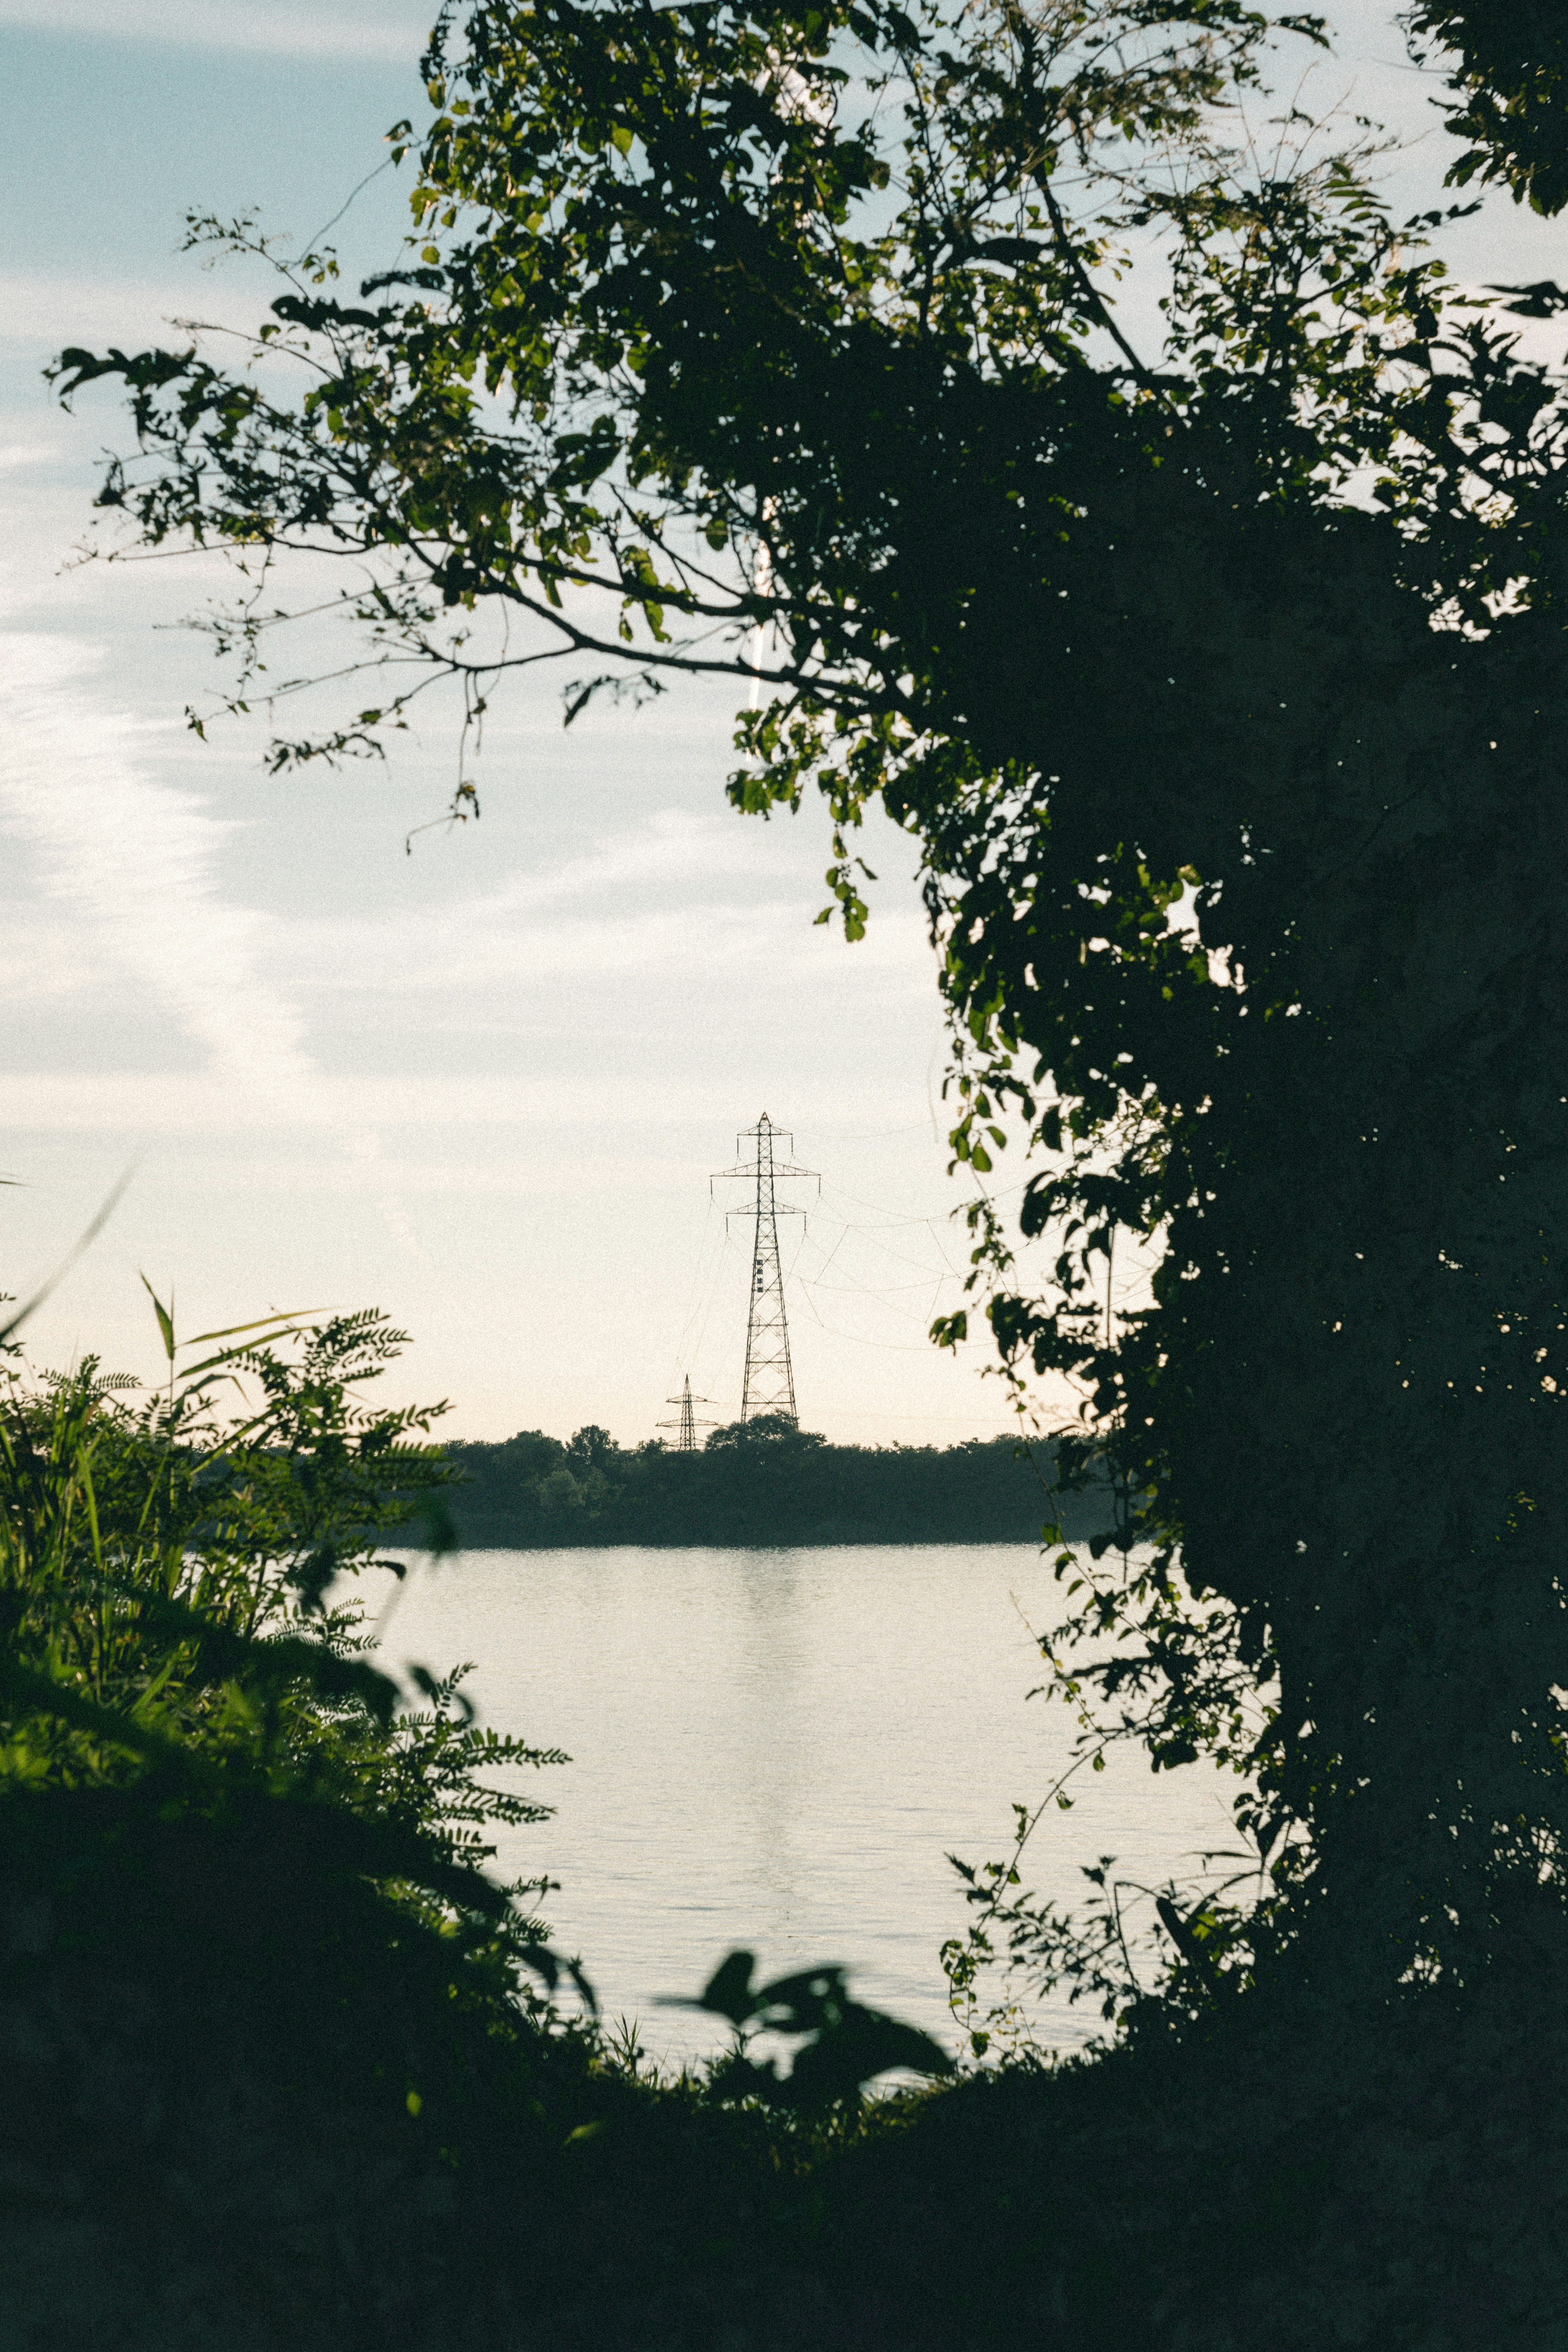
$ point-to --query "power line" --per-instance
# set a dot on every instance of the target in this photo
(688, 1425)
(846, 1225)
(877, 1290)
(888, 1346)
(700, 1296)
(715, 1271)
(770, 1382)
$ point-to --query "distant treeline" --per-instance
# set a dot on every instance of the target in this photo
(756, 1482)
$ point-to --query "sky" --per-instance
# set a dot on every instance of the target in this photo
(479, 1078)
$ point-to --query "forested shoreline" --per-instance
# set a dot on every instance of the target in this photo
(758, 1483)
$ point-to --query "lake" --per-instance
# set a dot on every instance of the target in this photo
(779, 1749)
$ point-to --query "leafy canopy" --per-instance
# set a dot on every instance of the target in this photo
(1509, 60)
(1217, 669)
(179, 1625)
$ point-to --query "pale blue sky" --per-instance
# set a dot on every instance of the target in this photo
(482, 1085)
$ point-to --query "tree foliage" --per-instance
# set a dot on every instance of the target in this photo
(179, 1624)
(277, 2069)
(842, 2045)
(757, 1482)
(1509, 60)
(1218, 676)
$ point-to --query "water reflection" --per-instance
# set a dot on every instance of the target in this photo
(779, 1749)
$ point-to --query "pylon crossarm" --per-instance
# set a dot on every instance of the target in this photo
(747, 1171)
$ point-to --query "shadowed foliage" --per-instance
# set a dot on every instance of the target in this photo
(1509, 70)
(756, 1482)
(1219, 680)
(1221, 687)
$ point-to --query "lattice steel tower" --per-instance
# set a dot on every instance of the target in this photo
(688, 1423)
(769, 1385)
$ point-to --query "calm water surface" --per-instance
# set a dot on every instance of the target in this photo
(779, 1749)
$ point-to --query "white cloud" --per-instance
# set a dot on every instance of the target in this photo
(325, 31)
(133, 861)
(706, 924)
(228, 1103)
(42, 961)
(124, 900)
(49, 311)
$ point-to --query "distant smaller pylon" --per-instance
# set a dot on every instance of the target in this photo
(688, 1423)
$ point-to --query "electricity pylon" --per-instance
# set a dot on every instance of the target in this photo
(688, 1423)
(769, 1385)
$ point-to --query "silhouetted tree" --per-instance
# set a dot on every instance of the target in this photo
(1221, 684)
(1509, 69)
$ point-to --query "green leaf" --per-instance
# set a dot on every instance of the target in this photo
(853, 2051)
(165, 1318)
(729, 1991)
